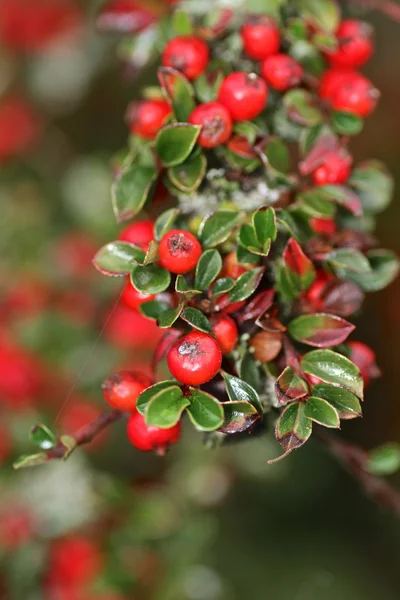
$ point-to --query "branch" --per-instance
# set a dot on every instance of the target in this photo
(355, 460)
(388, 7)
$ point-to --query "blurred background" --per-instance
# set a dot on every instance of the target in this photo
(112, 523)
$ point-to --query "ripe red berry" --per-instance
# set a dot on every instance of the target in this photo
(335, 169)
(355, 46)
(188, 54)
(323, 226)
(121, 390)
(365, 359)
(132, 298)
(194, 358)
(140, 233)
(145, 118)
(148, 437)
(282, 72)
(130, 330)
(355, 95)
(244, 95)
(226, 331)
(314, 294)
(74, 560)
(216, 124)
(179, 251)
(331, 81)
(261, 37)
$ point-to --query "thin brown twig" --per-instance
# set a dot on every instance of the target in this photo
(354, 459)
(387, 7)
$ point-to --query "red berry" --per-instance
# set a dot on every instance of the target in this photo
(315, 292)
(355, 46)
(19, 127)
(145, 118)
(130, 330)
(355, 95)
(331, 81)
(188, 54)
(74, 560)
(179, 251)
(148, 437)
(140, 233)
(122, 389)
(132, 298)
(365, 359)
(261, 37)
(335, 169)
(226, 331)
(323, 226)
(232, 268)
(194, 358)
(216, 124)
(74, 253)
(282, 72)
(244, 95)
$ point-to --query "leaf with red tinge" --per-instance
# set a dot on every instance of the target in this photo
(343, 196)
(299, 267)
(290, 387)
(125, 16)
(342, 298)
(293, 428)
(239, 416)
(325, 144)
(258, 306)
(320, 330)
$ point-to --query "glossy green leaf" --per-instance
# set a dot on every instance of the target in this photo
(323, 14)
(175, 142)
(384, 460)
(247, 238)
(217, 227)
(153, 309)
(249, 371)
(346, 123)
(320, 330)
(344, 196)
(238, 417)
(222, 286)
(246, 285)
(346, 403)
(321, 412)
(150, 279)
(205, 411)
(208, 268)
(314, 203)
(165, 222)
(293, 428)
(182, 287)
(290, 387)
(168, 317)
(117, 258)
(196, 319)
(264, 222)
(188, 175)
(131, 189)
(237, 389)
(374, 185)
(348, 260)
(42, 437)
(334, 368)
(166, 407)
(149, 393)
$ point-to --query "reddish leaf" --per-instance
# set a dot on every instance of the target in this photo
(239, 416)
(289, 387)
(320, 330)
(293, 428)
(258, 306)
(316, 156)
(343, 298)
(239, 145)
(345, 197)
(298, 263)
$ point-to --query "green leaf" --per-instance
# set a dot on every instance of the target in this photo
(384, 460)
(290, 387)
(175, 142)
(384, 268)
(246, 285)
(165, 223)
(237, 389)
(222, 286)
(314, 203)
(208, 268)
(320, 330)
(346, 403)
(149, 393)
(151, 254)
(321, 412)
(292, 223)
(238, 417)
(205, 411)
(153, 309)
(150, 279)
(278, 155)
(32, 460)
(249, 371)
(302, 108)
(181, 23)
(188, 176)
(196, 319)
(373, 184)
(348, 260)
(42, 437)
(166, 407)
(346, 123)
(130, 191)
(344, 196)
(117, 258)
(167, 318)
(248, 238)
(182, 287)
(323, 14)
(264, 222)
(217, 227)
(293, 428)
(334, 368)
(207, 86)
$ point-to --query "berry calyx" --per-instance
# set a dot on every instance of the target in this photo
(355, 45)
(335, 169)
(122, 390)
(179, 251)
(140, 233)
(148, 437)
(188, 54)
(132, 298)
(282, 72)
(226, 331)
(194, 358)
(145, 118)
(216, 124)
(244, 95)
(261, 37)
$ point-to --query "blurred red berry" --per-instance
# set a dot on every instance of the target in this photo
(365, 359)
(336, 168)
(21, 376)
(194, 358)
(179, 251)
(188, 54)
(225, 330)
(323, 226)
(149, 438)
(20, 127)
(122, 389)
(16, 527)
(132, 298)
(244, 94)
(357, 96)
(128, 329)
(331, 81)
(78, 413)
(355, 45)
(74, 254)
(140, 233)
(314, 294)
(74, 561)
(145, 118)
(261, 37)
(281, 72)
(216, 124)
(26, 297)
